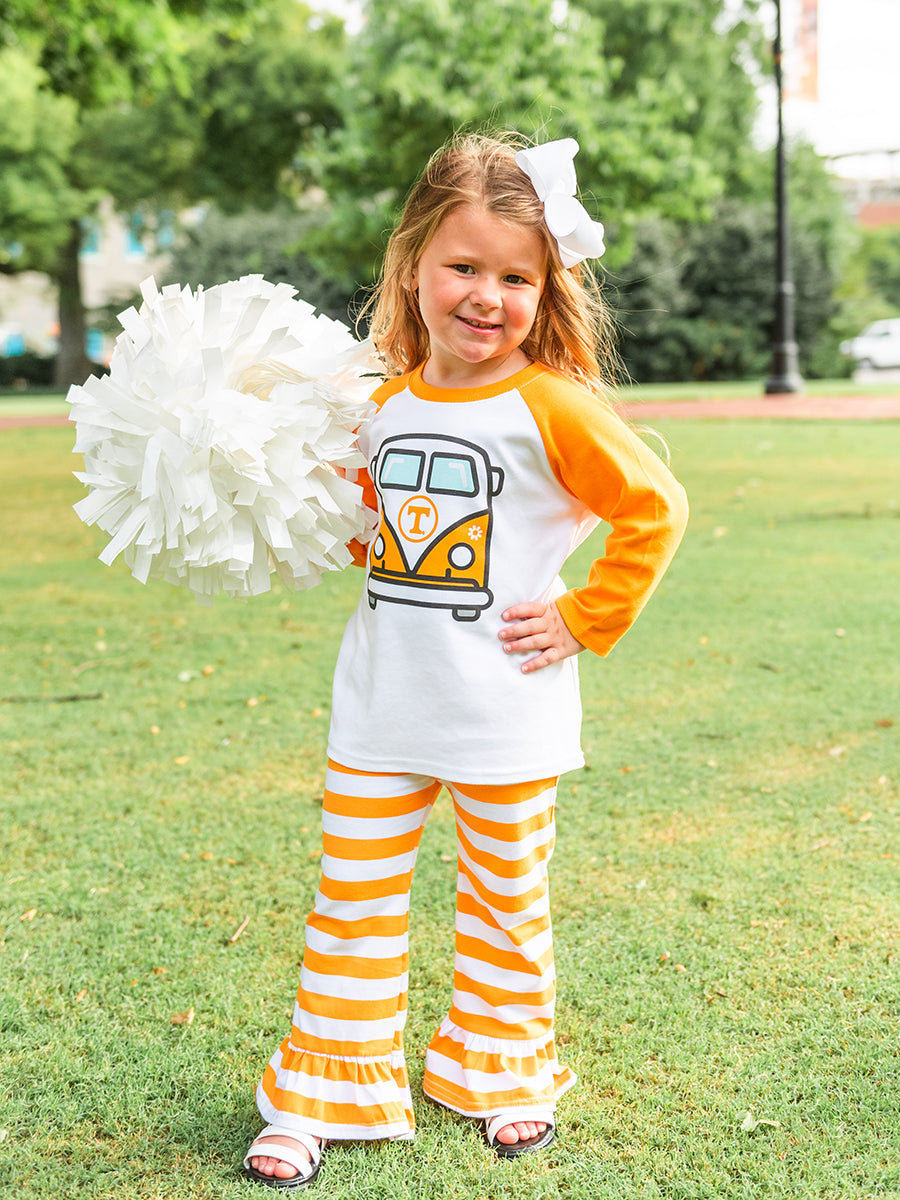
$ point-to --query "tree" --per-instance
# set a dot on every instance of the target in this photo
(880, 252)
(225, 246)
(128, 71)
(648, 298)
(36, 200)
(683, 74)
(697, 300)
(257, 92)
(92, 54)
(420, 69)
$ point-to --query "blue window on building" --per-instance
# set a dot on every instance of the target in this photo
(93, 345)
(13, 345)
(134, 245)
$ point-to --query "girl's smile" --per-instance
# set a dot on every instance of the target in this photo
(479, 283)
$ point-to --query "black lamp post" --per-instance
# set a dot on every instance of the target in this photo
(784, 373)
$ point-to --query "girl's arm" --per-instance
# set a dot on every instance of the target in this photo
(602, 462)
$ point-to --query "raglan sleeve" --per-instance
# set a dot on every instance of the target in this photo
(607, 466)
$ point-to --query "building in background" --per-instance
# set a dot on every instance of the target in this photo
(117, 253)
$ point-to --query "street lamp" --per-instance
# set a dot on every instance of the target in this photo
(784, 374)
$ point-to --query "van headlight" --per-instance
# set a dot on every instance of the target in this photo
(461, 556)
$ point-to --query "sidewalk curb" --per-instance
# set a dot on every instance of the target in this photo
(855, 408)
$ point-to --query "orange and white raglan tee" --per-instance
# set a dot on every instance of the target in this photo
(482, 495)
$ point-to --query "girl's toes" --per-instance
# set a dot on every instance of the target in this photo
(528, 1129)
(276, 1167)
(273, 1167)
(283, 1170)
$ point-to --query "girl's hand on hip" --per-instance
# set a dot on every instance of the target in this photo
(537, 626)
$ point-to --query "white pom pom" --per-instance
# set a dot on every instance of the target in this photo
(211, 448)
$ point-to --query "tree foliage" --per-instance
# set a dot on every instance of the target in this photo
(36, 141)
(597, 70)
(419, 70)
(226, 246)
(92, 51)
(682, 73)
(163, 98)
(258, 90)
(697, 301)
(880, 253)
(260, 93)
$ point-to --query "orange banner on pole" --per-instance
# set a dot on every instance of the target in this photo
(802, 81)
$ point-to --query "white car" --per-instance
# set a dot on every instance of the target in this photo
(877, 346)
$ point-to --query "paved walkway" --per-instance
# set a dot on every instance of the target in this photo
(860, 408)
(21, 422)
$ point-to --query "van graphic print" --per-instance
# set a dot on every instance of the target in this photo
(433, 544)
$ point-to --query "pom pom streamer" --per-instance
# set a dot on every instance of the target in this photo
(215, 449)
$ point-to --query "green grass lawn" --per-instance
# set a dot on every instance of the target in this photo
(33, 404)
(726, 886)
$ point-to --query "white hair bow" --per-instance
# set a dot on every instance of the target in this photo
(552, 172)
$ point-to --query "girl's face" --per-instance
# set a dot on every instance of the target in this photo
(479, 282)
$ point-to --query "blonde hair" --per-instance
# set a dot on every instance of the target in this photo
(572, 332)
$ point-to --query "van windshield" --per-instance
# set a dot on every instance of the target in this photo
(453, 474)
(402, 469)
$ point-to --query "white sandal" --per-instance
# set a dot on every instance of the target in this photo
(307, 1168)
(523, 1145)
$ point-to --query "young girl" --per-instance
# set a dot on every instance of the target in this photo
(491, 457)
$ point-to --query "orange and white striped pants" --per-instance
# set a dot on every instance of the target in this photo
(341, 1073)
